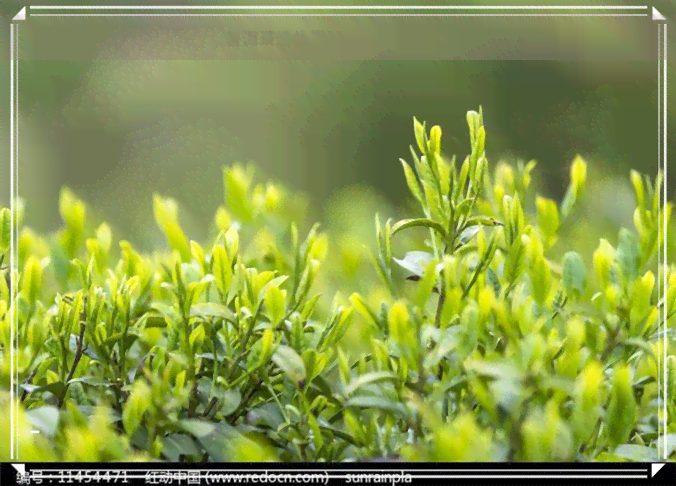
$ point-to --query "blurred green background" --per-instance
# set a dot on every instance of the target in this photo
(119, 108)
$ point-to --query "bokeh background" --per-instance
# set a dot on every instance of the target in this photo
(119, 108)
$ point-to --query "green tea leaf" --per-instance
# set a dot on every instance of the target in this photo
(216, 443)
(5, 233)
(378, 403)
(419, 130)
(412, 182)
(176, 445)
(446, 344)
(622, 409)
(288, 360)
(45, 419)
(369, 379)
(135, 407)
(416, 262)
(466, 235)
(573, 274)
(221, 269)
(198, 428)
(230, 400)
(338, 433)
(637, 453)
(211, 309)
(419, 222)
(627, 254)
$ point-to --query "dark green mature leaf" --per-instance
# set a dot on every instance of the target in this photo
(176, 445)
(217, 441)
(323, 386)
(154, 320)
(493, 281)
(419, 222)
(132, 336)
(289, 362)
(337, 432)
(230, 400)
(268, 415)
(55, 388)
(204, 389)
(140, 438)
(198, 428)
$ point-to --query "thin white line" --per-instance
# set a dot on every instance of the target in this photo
(300, 7)
(664, 155)
(35, 431)
(15, 196)
(13, 169)
(16, 228)
(12, 208)
(659, 159)
(338, 15)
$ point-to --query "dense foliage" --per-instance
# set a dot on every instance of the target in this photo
(479, 348)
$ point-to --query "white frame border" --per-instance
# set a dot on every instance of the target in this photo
(14, 123)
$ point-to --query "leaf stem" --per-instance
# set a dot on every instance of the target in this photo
(236, 414)
(76, 360)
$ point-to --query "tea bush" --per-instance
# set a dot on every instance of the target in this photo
(477, 348)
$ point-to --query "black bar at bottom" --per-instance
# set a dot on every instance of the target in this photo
(381, 473)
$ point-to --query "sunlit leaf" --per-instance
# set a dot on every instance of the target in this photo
(289, 362)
